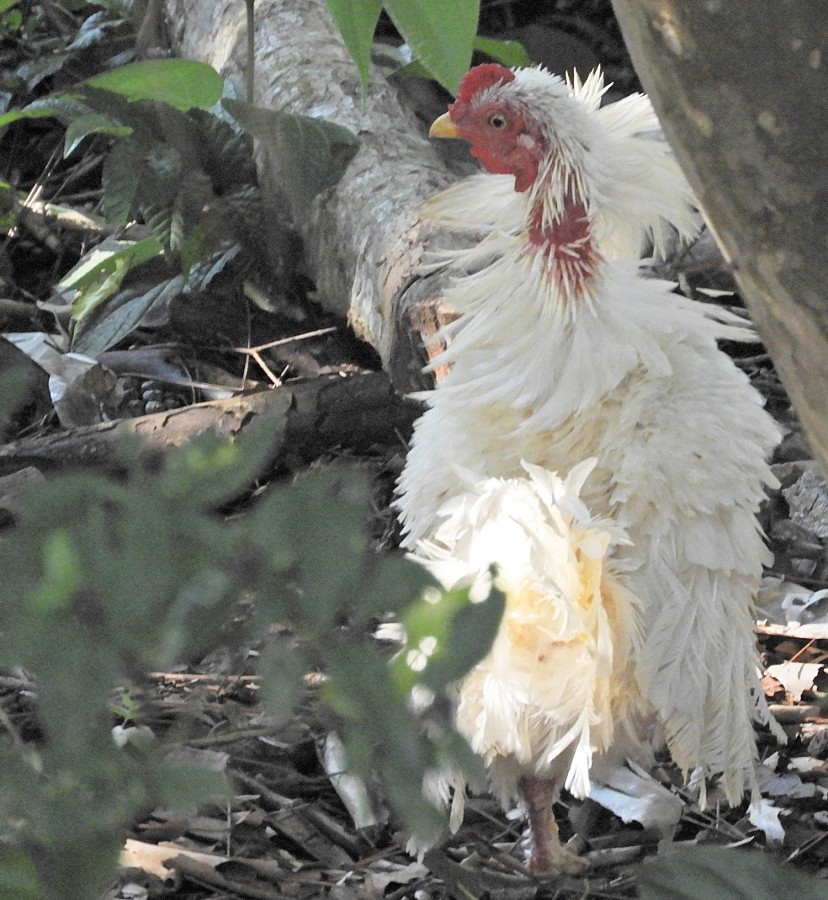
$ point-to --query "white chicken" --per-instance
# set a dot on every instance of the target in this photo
(564, 352)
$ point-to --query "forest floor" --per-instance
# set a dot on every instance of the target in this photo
(290, 831)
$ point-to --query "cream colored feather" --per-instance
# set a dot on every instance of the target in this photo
(558, 684)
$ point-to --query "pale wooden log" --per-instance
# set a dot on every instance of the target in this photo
(362, 237)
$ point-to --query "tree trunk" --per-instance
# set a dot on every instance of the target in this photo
(362, 237)
(743, 101)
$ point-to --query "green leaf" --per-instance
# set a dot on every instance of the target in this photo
(96, 123)
(454, 752)
(440, 33)
(18, 879)
(207, 240)
(281, 668)
(304, 155)
(120, 177)
(509, 53)
(415, 69)
(12, 21)
(357, 21)
(202, 273)
(469, 639)
(209, 472)
(726, 874)
(123, 311)
(190, 785)
(13, 115)
(199, 600)
(361, 690)
(445, 638)
(65, 107)
(62, 573)
(98, 275)
(7, 4)
(59, 500)
(182, 83)
(320, 524)
(88, 268)
(390, 584)
(183, 196)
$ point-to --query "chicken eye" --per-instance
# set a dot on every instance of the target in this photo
(498, 121)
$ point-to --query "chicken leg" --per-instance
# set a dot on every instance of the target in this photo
(547, 856)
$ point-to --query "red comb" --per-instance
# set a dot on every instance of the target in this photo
(481, 77)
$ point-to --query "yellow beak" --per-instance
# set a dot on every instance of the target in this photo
(443, 128)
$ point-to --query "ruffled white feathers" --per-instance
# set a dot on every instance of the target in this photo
(559, 677)
(638, 196)
(632, 378)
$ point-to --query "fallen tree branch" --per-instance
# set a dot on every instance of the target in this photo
(306, 418)
(362, 237)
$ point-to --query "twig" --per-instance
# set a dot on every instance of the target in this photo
(807, 845)
(255, 352)
(251, 52)
(231, 737)
(288, 340)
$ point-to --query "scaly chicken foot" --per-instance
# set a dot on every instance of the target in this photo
(547, 856)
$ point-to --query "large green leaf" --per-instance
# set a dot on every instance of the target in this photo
(120, 179)
(446, 636)
(381, 733)
(95, 123)
(357, 21)
(100, 272)
(121, 314)
(104, 259)
(724, 874)
(440, 33)
(64, 107)
(510, 53)
(18, 879)
(304, 155)
(182, 83)
(389, 584)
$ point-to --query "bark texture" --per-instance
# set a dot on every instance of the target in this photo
(743, 101)
(362, 237)
(304, 418)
